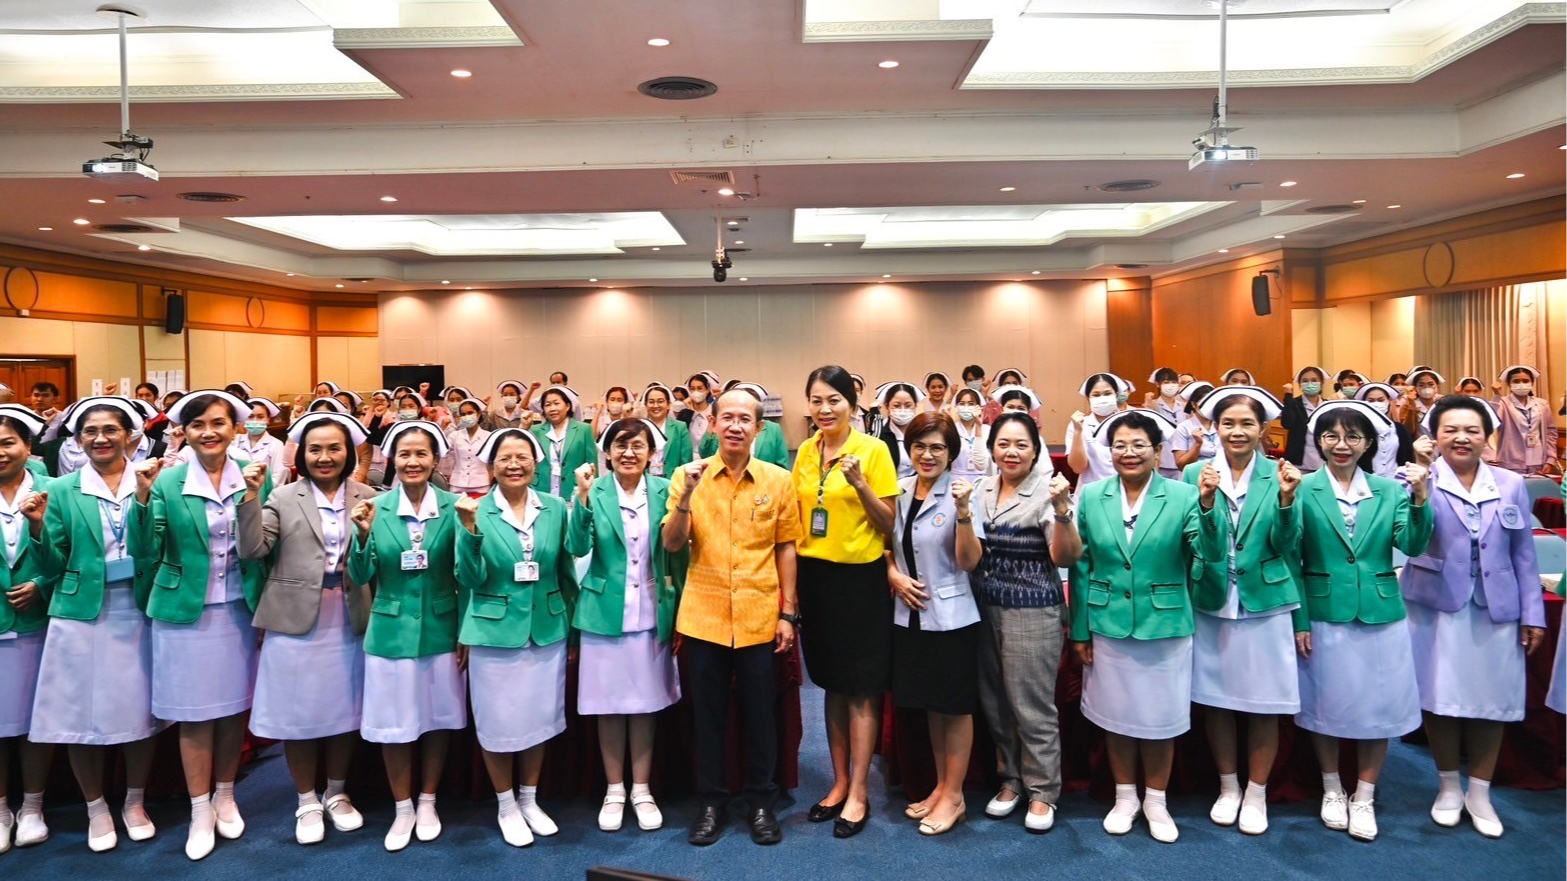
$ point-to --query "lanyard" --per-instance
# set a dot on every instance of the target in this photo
(116, 527)
(415, 532)
(824, 468)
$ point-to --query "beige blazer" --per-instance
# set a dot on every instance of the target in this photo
(288, 529)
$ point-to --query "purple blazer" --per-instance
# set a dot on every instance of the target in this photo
(1509, 573)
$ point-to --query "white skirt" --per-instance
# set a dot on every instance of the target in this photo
(1359, 682)
(1140, 687)
(409, 697)
(313, 684)
(1467, 665)
(19, 657)
(205, 670)
(1556, 697)
(626, 675)
(1246, 664)
(519, 695)
(95, 677)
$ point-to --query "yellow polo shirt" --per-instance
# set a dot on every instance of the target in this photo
(737, 520)
(851, 537)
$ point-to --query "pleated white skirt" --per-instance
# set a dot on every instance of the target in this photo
(1359, 682)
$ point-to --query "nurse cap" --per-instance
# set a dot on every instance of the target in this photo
(73, 413)
(179, 413)
(34, 423)
(325, 405)
(1225, 376)
(658, 436)
(1488, 415)
(1415, 374)
(1533, 374)
(1385, 388)
(1320, 372)
(1033, 399)
(265, 403)
(1271, 407)
(1120, 384)
(885, 390)
(330, 385)
(1377, 419)
(487, 449)
(389, 444)
(1106, 429)
(356, 432)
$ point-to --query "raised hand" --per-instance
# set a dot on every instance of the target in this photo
(962, 491)
(468, 513)
(146, 476)
(363, 516)
(255, 475)
(1208, 485)
(1289, 481)
(1425, 451)
(1060, 493)
(1148, 399)
(1415, 474)
(34, 506)
(850, 466)
(1077, 418)
(584, 474)
(693, 471)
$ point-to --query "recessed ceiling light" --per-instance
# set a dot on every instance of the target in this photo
(889, 64)
(95, 201)
(446, 281)
(337, 286)
(739, 241)
(658, 249)
(1288, 183)
(1007, 189)
(467, 289)
(658, 41)
(1515, 175)
(144, 247)
(81, 221)
(1279, 236)
(462, 74)
(592, 279)
(388, 198)
(743, 278)
(727, 192)
(1035, 272)
(826, 244)
(46, 229)
(289, 274)
(1562, 147)
(886, 276)
(1224, 250)
(1360, 201)
(1395, 206)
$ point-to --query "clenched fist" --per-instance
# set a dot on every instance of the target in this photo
(584, 474)
(1289, 481)
(1415, 474)
(693, 472)
(962, 491)
(255, 475)
(34, 506)
(468, 513)
(1208, 485)
(1060, 494)
(363, 516)
(1425, 451)
(850, 466)
(146, 476)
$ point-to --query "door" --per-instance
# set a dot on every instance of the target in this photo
(22, 373)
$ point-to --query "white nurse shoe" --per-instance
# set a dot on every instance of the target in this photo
(31, 829)
(1225, 810)
(309, 827)
(538, 821)
(515, 830)
(1335, 810)
(649, 817)
(1487, 826)
(613, 812)
(999, 807)
(345, 817)
(1119, 822)
(1362, 820)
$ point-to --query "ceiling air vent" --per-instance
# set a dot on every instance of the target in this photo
(725, 178)
(1131, 266)
(211, 197)
(123, 227)
(1332, 209)
(1127, 186)
(677, 88)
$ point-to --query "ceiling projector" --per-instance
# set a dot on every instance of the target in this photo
(118, 170)
(1214, 151)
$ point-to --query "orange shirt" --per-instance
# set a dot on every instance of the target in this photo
(731, 592)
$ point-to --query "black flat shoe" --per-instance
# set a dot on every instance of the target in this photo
(820, 813)
(842, 828)
(764, 827)
(707, 827)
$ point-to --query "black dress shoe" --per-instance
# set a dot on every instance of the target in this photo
(820, 813)
(764, 827)
(842, 828)
(707, 827)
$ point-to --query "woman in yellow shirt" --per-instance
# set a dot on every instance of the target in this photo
(846, 483)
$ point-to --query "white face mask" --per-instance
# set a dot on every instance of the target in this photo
(407, 415)
(1169, 389)
(1523, 389)
(677, 407)
(509, 401)
(1379, 406)
(1103, 405)
(902, 417)
(468, 420)
(1426, 393)
(616, 408)
(967, 412)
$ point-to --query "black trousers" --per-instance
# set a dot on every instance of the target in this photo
(709, 668)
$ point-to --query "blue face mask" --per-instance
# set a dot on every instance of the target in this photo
(255, 428)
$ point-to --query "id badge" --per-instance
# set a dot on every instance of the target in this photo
(415, 560)
(122, 569)
(527, 570)
(818, 522)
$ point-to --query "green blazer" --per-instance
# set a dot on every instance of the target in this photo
(50, 454)
(503, 612)
(600, 530)
(38, 468)
(578, 450)
(677, 446)
(1143, 590)
(769, 445)
(70, 553)
(1267, 546)
(26, 568)
(169, 535)
(415, 613)
(1352, 579)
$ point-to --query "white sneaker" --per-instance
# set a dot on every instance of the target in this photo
(1487, 827)
(515, 830)
(199, 844)
(1225, 810)
(1362, 820)
(309, 833)
(538, 821)
(649, 817)
(1040, 823)
(31, 829)
(1117, 823)
(1335, 810)
(1254, 818)
(999, 807)
(345, 817)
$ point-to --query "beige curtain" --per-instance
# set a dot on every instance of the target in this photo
(1478, 333)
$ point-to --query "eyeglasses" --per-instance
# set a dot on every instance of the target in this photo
(108, 434)
(934, 449)
(639, 448)
(508, 461)
(1353, 440)
(1137, 448)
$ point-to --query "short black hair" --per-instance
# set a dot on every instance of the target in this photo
(1105, 378)
(435, 445)
(628, 429)
(838, 380)
(1201, 392)
(407, 397)
(148, 386)
(1166, 374)
(1346, 419)
(350, 461)
(564, 398)
(896, 387)
(563, 377)
(934, 423)
(1231, 400)
(21, 429)
(978, 398)
(202, 403)
(1029, 426)
(48, 387)
(1016, 394)
(1517, 370)
(973, 372)
(1136, 421)
(507, 385)
(513, 434)
(1449, 403)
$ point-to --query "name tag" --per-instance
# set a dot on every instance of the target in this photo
(818, 522)
(527, 570)
(122, 569)
(415, 560)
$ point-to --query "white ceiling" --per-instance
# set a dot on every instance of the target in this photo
(913, 162)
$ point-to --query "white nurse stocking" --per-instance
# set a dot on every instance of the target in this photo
(1449, 792)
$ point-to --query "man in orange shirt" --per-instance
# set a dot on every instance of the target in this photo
(741, 519)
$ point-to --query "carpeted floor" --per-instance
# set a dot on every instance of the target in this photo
(1297, 846)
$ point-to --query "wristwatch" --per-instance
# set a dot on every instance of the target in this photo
(1065, 518)
(791, 618)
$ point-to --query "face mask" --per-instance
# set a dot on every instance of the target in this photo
(468, 420)
(1522, 389)
(677, 407)
(509, 401)
(1312, 389)
(1169, 389)
(1349, 390)
(407, 415)
(977, 385)
(454, 408)
(1122, 397)
(1379, 406)
(968, 412)
(1426, 393)
(1103, 405)
(254, 428)
(902, 417)
(616, 408)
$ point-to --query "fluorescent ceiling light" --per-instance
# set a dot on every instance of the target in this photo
(459, 235)
(989, 225)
